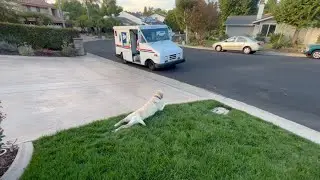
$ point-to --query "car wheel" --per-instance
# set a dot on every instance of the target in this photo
(218, 48)
(247, 50)
(316, 54)
(151, 65)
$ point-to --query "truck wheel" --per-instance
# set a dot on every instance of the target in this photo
(123, 60)
(316, 54)
(151, 65)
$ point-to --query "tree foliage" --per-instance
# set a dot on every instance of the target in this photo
(109, 7)
(8, 12)
(147, 11)
(271, 6)
(237, 7)
(203, 18)
(172, 20)
(73, 7)
(298, 13)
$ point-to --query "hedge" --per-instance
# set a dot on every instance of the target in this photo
(37, 36)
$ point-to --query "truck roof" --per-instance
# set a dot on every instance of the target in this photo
(140, 27)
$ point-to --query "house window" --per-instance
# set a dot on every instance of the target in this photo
(38, 9)
(272, 28)
(267, 29)
(264, 29)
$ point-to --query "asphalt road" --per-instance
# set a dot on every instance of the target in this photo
(286, 86)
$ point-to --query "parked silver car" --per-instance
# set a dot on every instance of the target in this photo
(239, 43)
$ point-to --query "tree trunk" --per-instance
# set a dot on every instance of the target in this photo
(295, 38)
(187, 37)
(87, 11)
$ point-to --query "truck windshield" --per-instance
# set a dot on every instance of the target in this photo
(154, 35)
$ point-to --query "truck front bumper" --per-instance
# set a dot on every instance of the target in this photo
(171, 63)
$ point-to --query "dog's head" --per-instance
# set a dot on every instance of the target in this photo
(158, 94)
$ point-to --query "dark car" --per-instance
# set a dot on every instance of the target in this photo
(313, 50)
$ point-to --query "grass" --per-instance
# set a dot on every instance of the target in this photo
(185, 141)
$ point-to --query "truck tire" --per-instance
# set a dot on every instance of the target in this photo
(150, 64)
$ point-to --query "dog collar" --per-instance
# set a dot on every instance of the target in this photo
(158, 97)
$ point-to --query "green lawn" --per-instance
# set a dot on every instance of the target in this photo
(185, 141)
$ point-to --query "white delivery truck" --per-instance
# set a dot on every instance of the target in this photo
(148, 45)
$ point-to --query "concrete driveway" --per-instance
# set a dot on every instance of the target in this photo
(42, 95)
(285, 86)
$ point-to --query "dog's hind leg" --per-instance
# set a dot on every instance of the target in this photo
(130, 123)
(125, 120)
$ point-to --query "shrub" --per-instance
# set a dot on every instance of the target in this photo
(68, 50)
(276, 38)
(260, 38)
(37, 36)
(26, 50)
(2, 117)
(8, 47)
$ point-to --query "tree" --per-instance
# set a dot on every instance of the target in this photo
(109, 7)
(236, 8)
(73, 7)
(271, 6)
(184, 7)
(172, 21)
(145, 11)
(8, 12)
(2, 117)
(203, 18)
(298, 13)
(89, 4)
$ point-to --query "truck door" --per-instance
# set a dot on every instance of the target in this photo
(126, 48)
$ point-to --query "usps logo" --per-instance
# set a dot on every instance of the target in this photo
(124, 38)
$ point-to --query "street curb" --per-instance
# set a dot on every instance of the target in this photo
(286, 124)
(21, 161)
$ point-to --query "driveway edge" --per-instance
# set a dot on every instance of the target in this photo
(21, 161)
(286, 124)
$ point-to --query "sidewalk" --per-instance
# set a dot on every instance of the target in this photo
(43, 95)
(266, 53)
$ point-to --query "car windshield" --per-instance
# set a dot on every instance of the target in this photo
(154, 35)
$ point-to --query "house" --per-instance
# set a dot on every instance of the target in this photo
(158, 17)
(251, 25)
(130, 18)
(265, 25)
(42, 6)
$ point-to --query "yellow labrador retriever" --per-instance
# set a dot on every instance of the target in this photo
(150, 108)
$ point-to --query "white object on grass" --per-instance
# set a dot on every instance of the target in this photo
(220, 110)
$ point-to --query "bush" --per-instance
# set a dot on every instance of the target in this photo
(274, 38)
(2, 117)
(68, 50)
(5, 46)
(37, 36)
(260, 38)
(26, 50)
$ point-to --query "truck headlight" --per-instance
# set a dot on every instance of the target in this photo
(307, 48)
